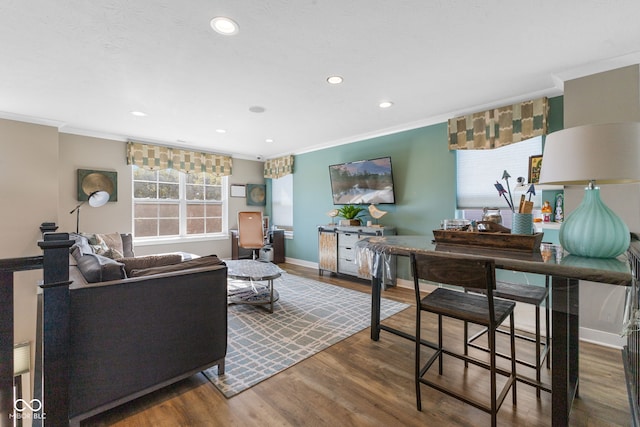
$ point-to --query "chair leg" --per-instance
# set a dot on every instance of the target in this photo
(538, 364)
(512, 325)
(466, 342)
(417, 361)
(440, 344)
(547, 325)
(492, 368)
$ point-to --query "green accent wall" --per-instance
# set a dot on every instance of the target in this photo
(424, 180)
(424, 173)
(556, 114)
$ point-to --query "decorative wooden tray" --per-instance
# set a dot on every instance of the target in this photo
(515, 242)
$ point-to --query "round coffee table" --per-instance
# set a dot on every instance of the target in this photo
(247, 270)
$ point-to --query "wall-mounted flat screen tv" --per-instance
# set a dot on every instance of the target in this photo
(362, 182)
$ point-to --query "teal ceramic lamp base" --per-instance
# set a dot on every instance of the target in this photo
(593, 230)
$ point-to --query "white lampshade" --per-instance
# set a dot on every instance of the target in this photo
(98, 198)
(594, 154)
(606, 153)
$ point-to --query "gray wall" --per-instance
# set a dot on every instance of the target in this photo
(83, 152)
(38, 184)
(29, 189)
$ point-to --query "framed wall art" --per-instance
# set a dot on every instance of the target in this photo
(90, 181)
(535, 163)
(238, 190)
(256, 195)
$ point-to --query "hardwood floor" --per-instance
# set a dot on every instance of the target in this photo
(359, 382)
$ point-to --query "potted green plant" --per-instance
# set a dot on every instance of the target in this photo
(350, 213)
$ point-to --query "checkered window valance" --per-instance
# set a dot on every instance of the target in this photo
(155, 157)
(277, 168)
(500, 126)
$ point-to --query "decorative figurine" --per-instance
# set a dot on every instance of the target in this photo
(559, 208)
(546, 211)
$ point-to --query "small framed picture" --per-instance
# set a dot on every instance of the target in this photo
(535, 163)
(238, 190)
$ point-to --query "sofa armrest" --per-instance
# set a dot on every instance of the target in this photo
(129, 335)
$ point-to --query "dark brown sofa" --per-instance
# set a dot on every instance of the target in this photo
(131, 336)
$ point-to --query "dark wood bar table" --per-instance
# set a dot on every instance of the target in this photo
(565, 271)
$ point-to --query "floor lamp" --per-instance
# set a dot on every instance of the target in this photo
(96, 199)
(593, 154)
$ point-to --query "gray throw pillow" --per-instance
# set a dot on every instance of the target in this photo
(97, 268)
(127, 245)
(81, 245)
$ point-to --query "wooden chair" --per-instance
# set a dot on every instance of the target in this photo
(481, 309)
(526, 294)
(251, 232)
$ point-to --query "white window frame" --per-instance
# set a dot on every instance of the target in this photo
(182, 202)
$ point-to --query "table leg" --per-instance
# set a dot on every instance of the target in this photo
(376, 290)
(271, 295)
(564, 347)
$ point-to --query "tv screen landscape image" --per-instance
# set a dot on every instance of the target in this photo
(362, 182)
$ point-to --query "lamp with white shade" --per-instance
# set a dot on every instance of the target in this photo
(96, 199)
(590, 155)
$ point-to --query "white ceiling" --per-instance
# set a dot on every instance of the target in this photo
(83, 66)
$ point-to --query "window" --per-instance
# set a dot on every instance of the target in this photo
(168, 203)
(478, 171)
(282, 202)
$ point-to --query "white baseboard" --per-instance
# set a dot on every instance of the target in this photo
(606, 339)
(301, 262)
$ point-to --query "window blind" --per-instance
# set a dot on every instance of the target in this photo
(282, 201)
(478, 171)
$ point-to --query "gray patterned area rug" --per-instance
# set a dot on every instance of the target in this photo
(309, 317)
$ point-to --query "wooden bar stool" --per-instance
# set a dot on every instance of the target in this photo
(526, 294)
(480, 309)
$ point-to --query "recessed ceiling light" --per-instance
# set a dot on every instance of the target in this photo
(385, 104)
(138, 114)
(334, 80)
(221, 130)
(224, 26)
(268, 140)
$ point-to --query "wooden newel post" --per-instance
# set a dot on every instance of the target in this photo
(55, 330)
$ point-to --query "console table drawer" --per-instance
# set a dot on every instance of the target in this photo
(347, 253)
(348, 239)
(347, 266)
